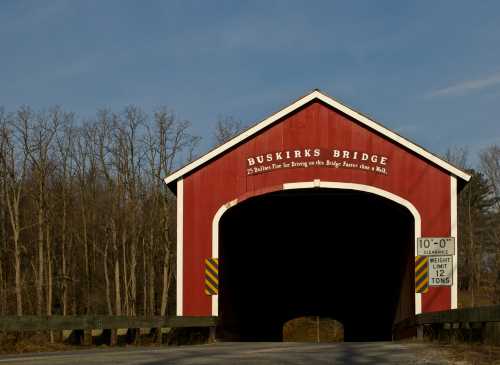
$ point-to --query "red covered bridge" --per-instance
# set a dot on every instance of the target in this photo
(314, 211)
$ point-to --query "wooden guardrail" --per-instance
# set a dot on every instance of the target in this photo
(467, 324)
(37, 323)
(86, 329)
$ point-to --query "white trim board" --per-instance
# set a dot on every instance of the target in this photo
(318, 95)
(331, 185)
(454, 233)
(180, 246)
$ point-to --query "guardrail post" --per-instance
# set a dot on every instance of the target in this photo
(420, 332)
(157, 336)
(211, 334)
(132, 335)
(87, 337)
(113, 337)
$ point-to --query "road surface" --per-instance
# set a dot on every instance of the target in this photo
(239, 354)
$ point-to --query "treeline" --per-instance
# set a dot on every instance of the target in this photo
(479, 228)
(86, 222)
(87, 225)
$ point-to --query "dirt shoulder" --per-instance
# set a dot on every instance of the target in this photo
(475, 354)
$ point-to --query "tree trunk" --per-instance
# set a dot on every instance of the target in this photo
(145, 281)
(151, 277)
(166, 263)
(126, 305)
(106, 280)
(64, 274)
(83, 213)
(86, 263)
(13, 206)
(41, 262)
(49, 273)
(166, 284)
(49, 280)
(71, 290)
(472, 253)
(64, 281)
(3, 248)
(2, 291)
(133, 278)
(17, 269)
(118, 300)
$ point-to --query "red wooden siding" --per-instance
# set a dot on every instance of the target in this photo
(316, 125)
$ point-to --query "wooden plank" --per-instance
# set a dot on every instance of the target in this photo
(192, 322)
(464, 315)
(35, 323)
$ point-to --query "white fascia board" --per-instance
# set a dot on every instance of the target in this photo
(394, 136)
(239, 138)
(336, 105)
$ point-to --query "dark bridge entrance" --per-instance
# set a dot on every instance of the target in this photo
(341, 254)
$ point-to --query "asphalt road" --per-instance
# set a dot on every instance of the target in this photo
(239, 354)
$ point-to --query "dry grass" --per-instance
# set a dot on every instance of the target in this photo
(458, 354)
(305, 329)
(16, 343)
(473, 354)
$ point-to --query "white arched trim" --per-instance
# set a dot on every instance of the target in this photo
(328, 185)
(215, 245)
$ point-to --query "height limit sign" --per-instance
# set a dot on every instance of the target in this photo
(435, 246)
(439, 251)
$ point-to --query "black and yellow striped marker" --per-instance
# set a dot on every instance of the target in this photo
(211, 276)
(421, 274)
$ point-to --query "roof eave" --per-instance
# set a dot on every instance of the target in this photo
(316, 94)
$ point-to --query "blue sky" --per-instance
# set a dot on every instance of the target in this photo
(427, 69)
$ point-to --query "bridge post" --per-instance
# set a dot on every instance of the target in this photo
(420, 332)
(87, 337)
(211, 334)
(113, 337)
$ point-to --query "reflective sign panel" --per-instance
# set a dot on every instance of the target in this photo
(435, 246)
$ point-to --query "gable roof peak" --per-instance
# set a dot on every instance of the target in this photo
(335, 104)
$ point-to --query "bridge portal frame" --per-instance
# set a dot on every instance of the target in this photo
(206, 188)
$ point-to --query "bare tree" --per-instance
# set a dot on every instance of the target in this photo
(13, 164)
(88, 218)
(490, 165)
(226, 128)
(37, 132)
(3, 218)
(64, 141)
(474, 204)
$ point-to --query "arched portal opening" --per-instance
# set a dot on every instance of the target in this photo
(342, 254)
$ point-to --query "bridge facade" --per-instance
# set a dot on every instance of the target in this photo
(315, 210)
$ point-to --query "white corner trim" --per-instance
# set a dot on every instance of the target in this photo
(334, 104)
(331, 185)
(180, 246)
(454, 233)
(215, 245)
